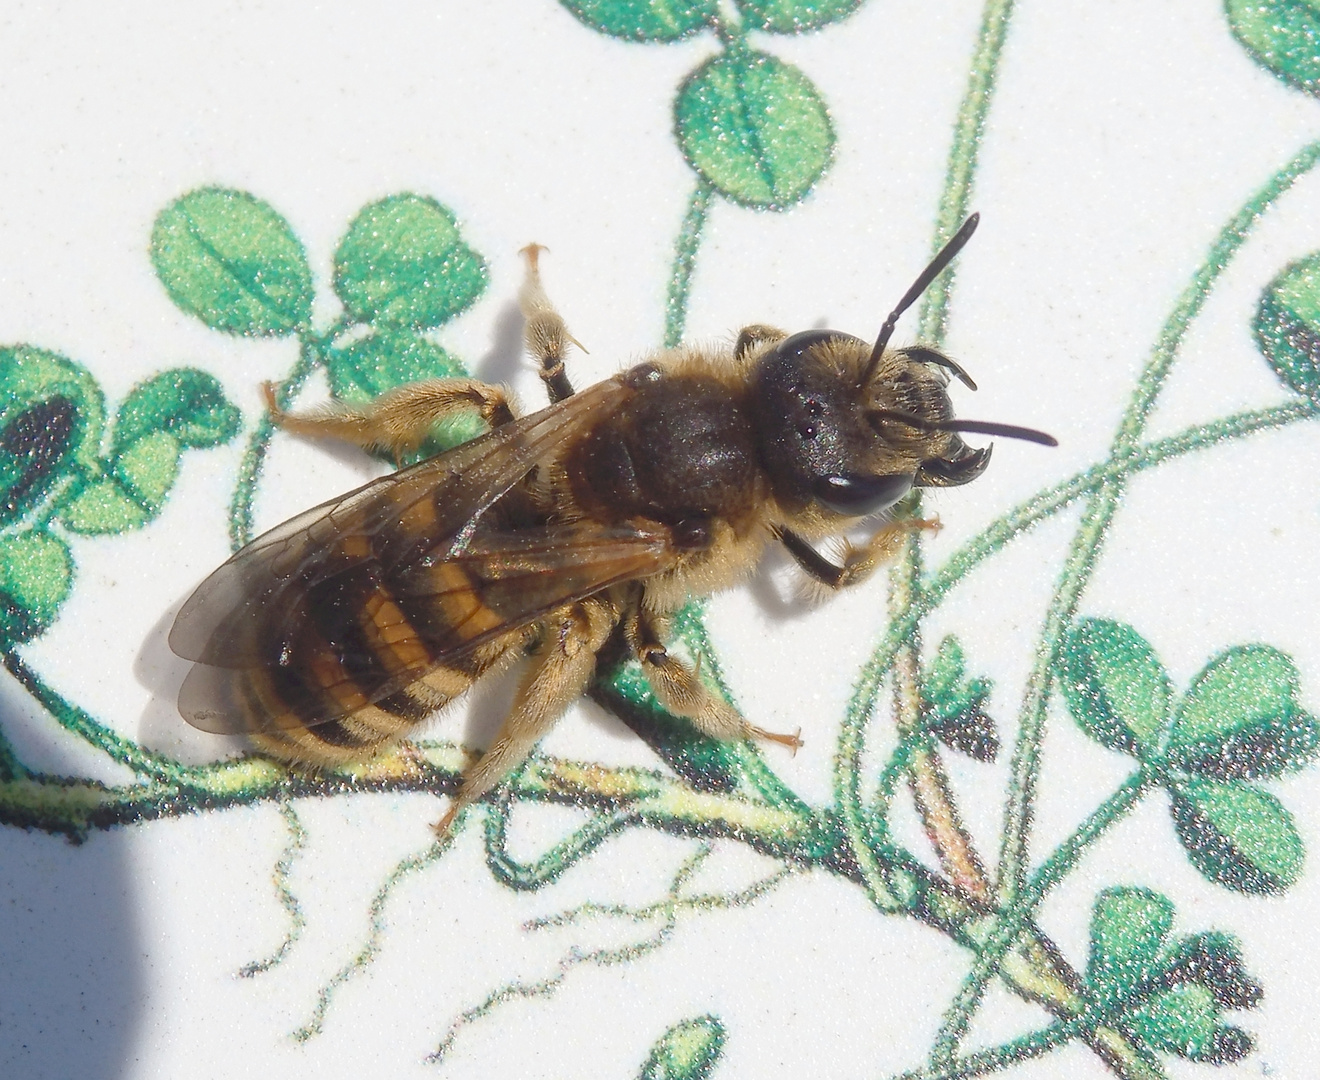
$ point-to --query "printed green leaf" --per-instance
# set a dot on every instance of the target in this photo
(1288, 326)
(1129, 928)
(51, 412)
(1283, 36)
(1240, 720)
(369, 366)
(689, 1050)
(1165, 994)
(1214, 960)
(148, 468)
(794, 16)
(1115, 686)
(36, 571)
(1238, 835)
(403, 263)
(755, 128)
(103, 507)
(187, 403)
(1182, 1020)
(954, 704)
(229, 259)
(644, 20)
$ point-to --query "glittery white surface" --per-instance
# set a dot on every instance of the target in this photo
(1122, 137)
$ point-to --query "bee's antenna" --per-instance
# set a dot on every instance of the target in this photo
(979, 427)
(919, 286)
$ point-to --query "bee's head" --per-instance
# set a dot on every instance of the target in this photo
(853, 426)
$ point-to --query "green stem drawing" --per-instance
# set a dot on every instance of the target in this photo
(992, 1060)
(1078, 568)
(954, 201)
(405, 868)
(310, 357)
(964, 154)
(685, 262)
(288, 901)
(80, 723)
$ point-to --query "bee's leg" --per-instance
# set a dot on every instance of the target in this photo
(546, 334)
(681, 690)
(398, 421)
(562, 665)
(751, 336)
(859, 562)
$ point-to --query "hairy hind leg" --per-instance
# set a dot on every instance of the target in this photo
(562, 665)
(682, 692)
(546, 334)
(398, 421)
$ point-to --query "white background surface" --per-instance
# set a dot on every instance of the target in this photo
(1121, 138)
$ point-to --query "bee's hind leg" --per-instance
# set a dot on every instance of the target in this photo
(681, 691)
(398, 421)
(562, 665)
(546, 334)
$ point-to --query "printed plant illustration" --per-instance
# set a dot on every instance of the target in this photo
(1155, 986)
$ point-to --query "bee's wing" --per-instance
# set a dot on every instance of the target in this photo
(247, 612)
(289, 632)
(499, 582)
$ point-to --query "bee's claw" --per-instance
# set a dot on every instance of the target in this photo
(442, 827)
(793, 742)
(532, 253)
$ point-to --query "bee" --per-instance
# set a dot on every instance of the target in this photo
(334, 635)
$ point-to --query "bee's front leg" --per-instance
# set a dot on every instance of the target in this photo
(398, 421)
(546, 333)
(859, 560)
(561, 666)
(749, 337)
(680, 689)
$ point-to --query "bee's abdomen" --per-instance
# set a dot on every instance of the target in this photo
(368, 662)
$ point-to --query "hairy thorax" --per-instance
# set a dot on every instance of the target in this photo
(683, 453)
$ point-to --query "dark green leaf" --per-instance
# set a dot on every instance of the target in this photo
(187, 403)
(954, 704)
(755, 128)
(368, 367)
(1115, 686)
(403, 263)
(1129, 928)
(104, 507)
(1182, 1021)
(231, 260)
(644, 20)
(689, 1050)
(1241, 719)
(1288, 326)
(36, 571)
(1214, 960)
(1283, 36)
(1225, 1046)
(794, 16)
(1237, 835)
(51, 412)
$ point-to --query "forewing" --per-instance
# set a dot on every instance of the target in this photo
(249, 611)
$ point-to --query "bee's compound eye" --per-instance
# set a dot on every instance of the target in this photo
(859, 495)
(641, 375)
